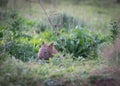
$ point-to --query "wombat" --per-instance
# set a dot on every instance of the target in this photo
(47, 51)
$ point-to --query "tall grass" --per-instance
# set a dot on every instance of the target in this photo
(96, 17)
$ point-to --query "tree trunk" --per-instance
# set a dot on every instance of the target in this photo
(3, 3)
(118, 1)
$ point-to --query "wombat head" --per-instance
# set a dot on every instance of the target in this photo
(47, 51)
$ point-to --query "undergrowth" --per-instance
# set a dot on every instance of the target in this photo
(17, 72)
(77, 36)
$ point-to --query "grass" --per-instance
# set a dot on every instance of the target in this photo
(57, 72)
(96, 15)
(97, 18)
(16, 72)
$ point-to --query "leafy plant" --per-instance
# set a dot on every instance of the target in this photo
(13, 35)
(41, 27)
(1, 32)
(14, 25)
(48, 36)
(79, 42)
(20, 51)
(115, 30)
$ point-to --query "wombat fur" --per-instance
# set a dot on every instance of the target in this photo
(47, 51)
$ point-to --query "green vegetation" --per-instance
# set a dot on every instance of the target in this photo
(31, 73)
(80, 32)
(80, 42)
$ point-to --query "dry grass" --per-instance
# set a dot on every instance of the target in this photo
(111, 53)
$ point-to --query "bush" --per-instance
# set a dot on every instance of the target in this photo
(14, 26)
(41, 27)
(48, 36)
(20, 51)
(64, 21)
(13, 43)
(80, 42)
(1, 32)
(115, 30)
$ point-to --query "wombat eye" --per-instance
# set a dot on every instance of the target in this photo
(45, 52)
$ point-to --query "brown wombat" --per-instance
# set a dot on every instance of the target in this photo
(47, 51)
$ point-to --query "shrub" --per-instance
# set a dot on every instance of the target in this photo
(115, 30)
(41, 27)
(1, 32)
(79, 42)
(14, 25)
(13, 43)
(64, 21)
(20, 51)
(35, 42)
(48, 36)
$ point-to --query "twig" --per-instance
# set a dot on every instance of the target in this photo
(40, 2)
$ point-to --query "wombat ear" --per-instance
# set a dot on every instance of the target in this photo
(52, 44)
(43, 42)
